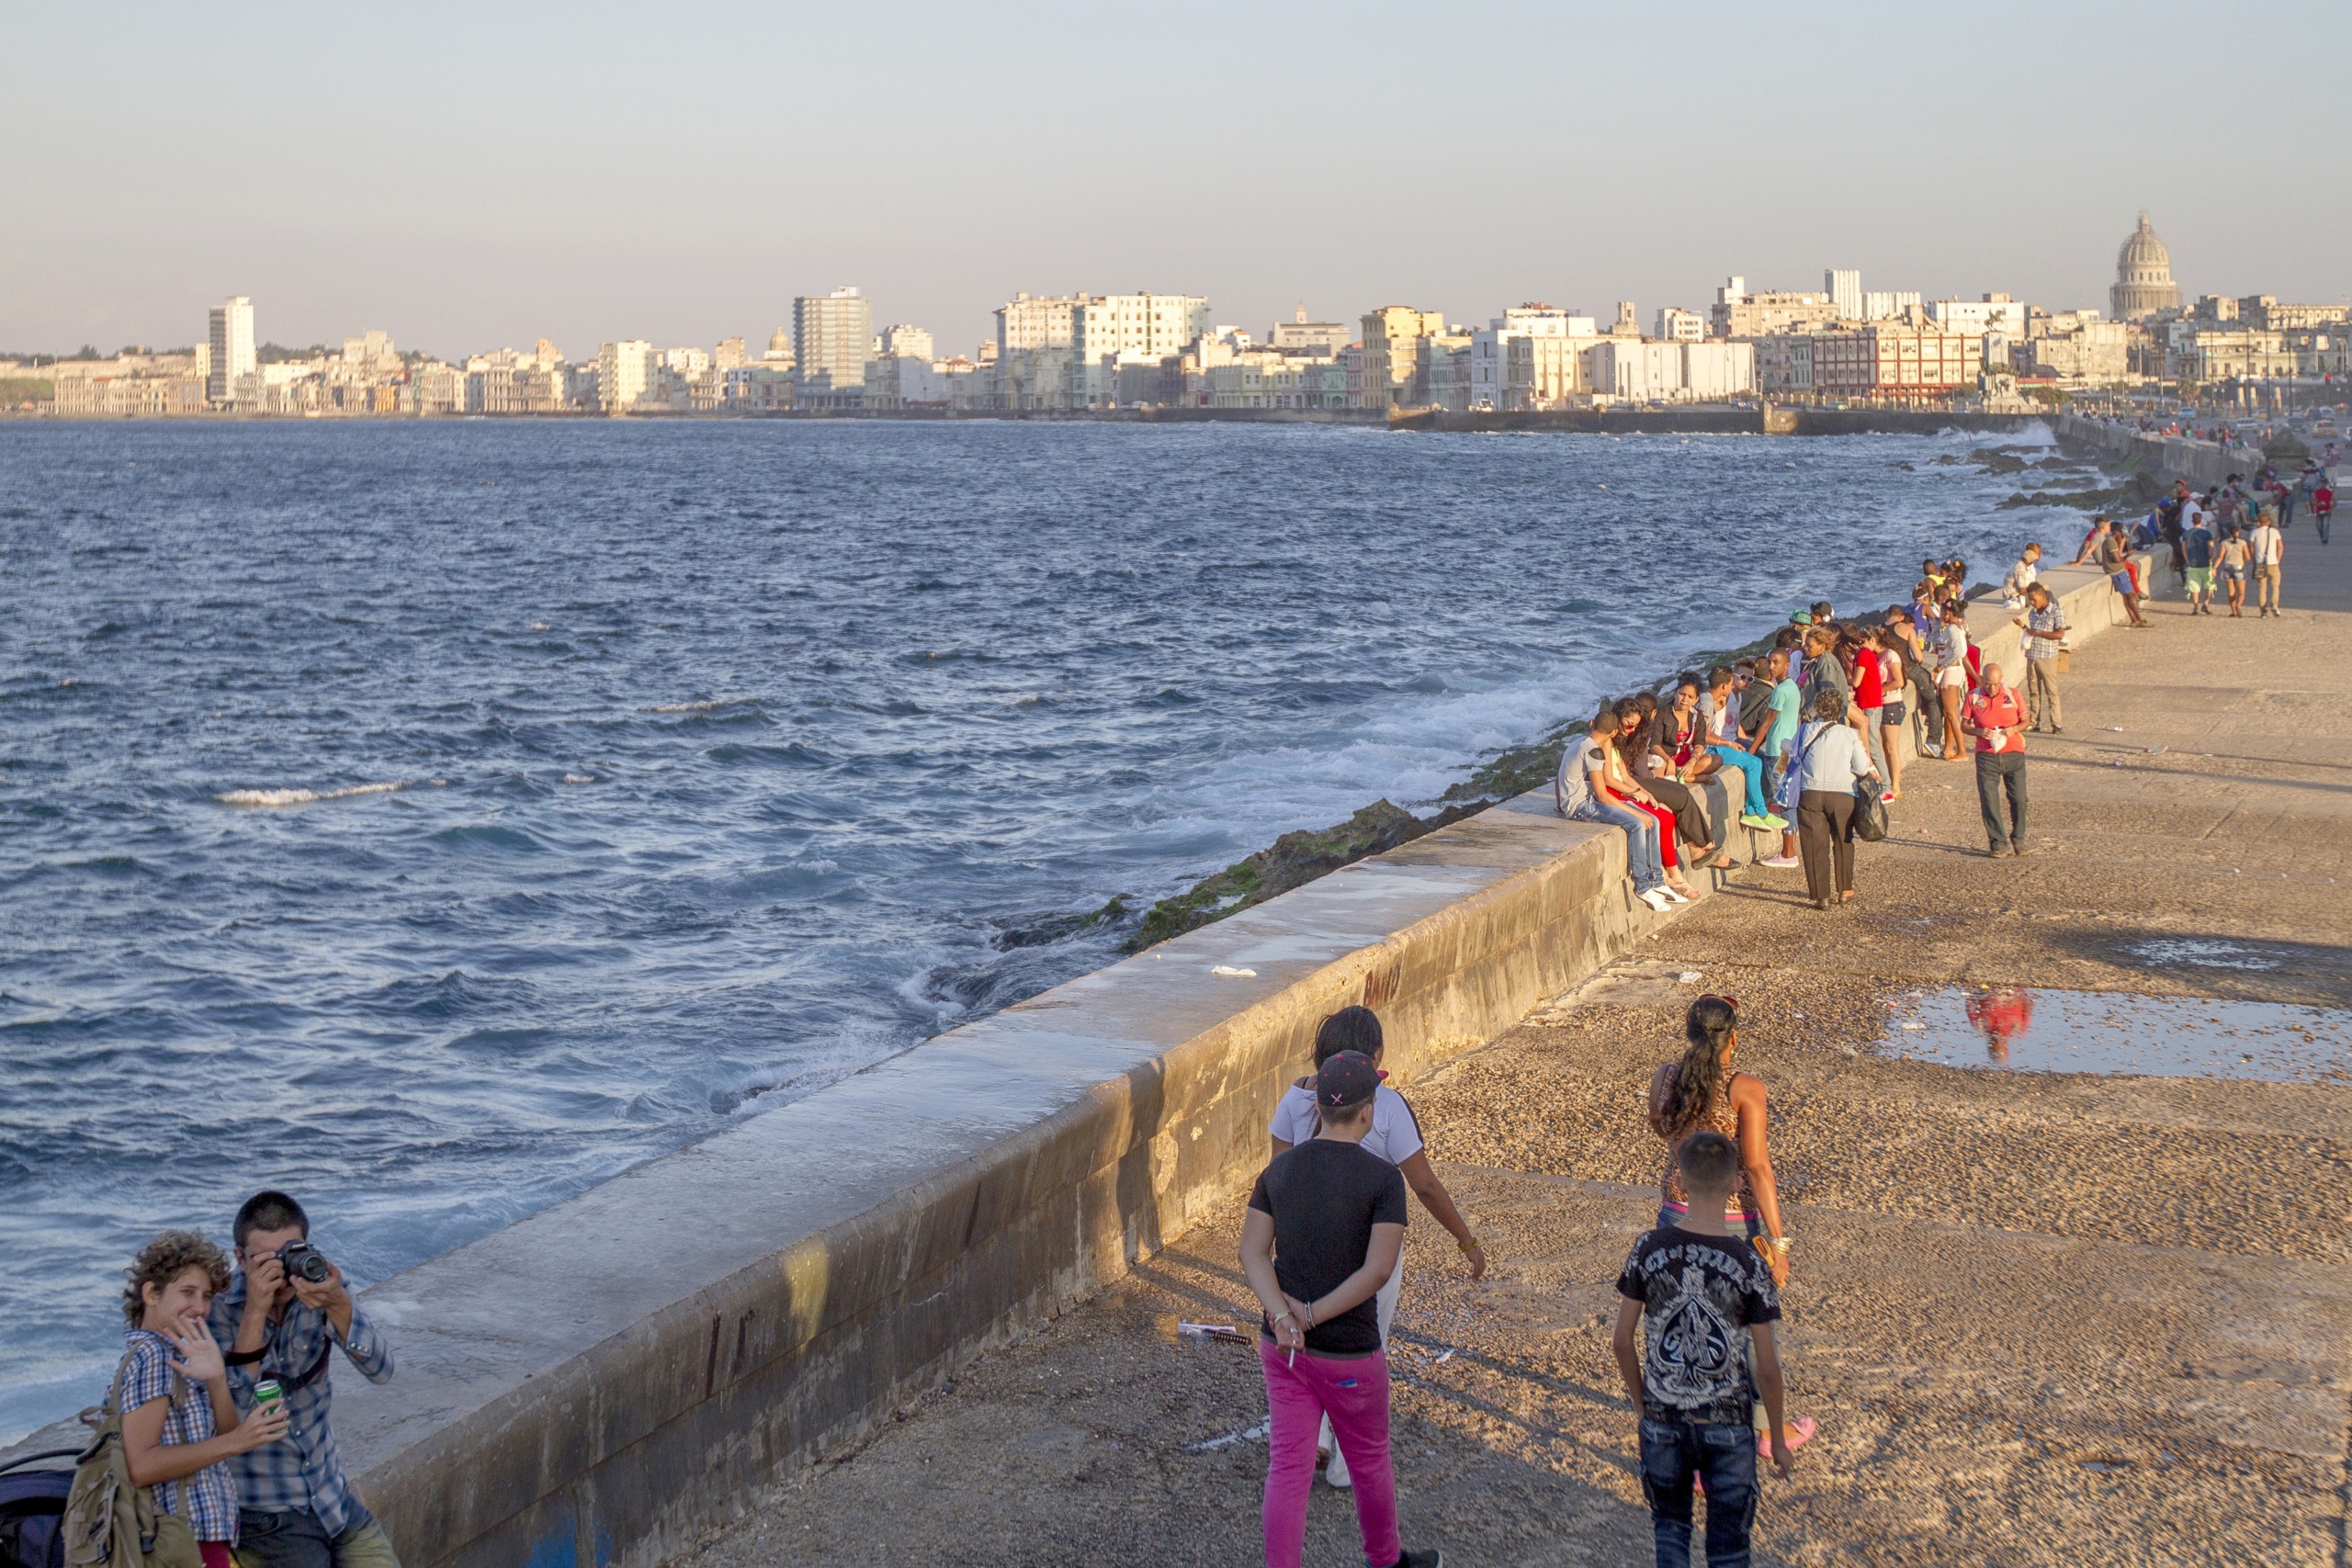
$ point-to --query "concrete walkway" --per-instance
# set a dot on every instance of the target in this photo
(2041, 1318)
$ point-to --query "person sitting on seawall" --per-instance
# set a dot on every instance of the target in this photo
(283, 1317)
(1628, 791)
(1997, 718)
(1396, 1136)
(177, 1440)
(1580, 791)
(2092, 542)
(1325, 1225)
(2022, 576)
(1719, 709)
(1639, 748)
(1832, 759)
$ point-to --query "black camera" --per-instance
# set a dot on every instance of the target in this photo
(303, 1261)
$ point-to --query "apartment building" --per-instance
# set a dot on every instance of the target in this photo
(1740, 311)
(1843, 287)
(231, 348)
(625, 374)
(1114, 330)
(1391, 355)
(833, 336)
(1893, 361)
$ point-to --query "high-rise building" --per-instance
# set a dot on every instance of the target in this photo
(1844, 286)
(231, 348)
(730, 354)
(903, 342)
(624, 374)
(1038, 321)
(1391, 352)
(1889, 304)
(831, 336)
(1110, 329)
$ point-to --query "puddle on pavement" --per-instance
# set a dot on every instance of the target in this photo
(2023, 1029)
(2202, 953)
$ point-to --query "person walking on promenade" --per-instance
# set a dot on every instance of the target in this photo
(1707, 1299)
(1325, 1225)
(1831, 758)
(2230, 565)
(2197, 548)
(2323, 507)
(2270, 556)
(1396, 1136)
(1997, 720)
(2044, 628)
(1580, 791)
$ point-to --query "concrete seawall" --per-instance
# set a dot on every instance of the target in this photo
(604, 1381)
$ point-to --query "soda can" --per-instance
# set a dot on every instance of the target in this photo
(267, 1393)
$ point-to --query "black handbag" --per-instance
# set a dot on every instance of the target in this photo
(1870, 810)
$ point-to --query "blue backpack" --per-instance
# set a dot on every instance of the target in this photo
(32, 1509)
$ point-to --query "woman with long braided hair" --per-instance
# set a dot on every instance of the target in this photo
(1702, 1093)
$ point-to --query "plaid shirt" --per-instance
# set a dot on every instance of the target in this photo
(301, 1473)
(207, 1500)
(2047, 619)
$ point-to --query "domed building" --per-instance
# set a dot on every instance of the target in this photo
(2143, 284)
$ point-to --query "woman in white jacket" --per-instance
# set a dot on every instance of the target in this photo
(1830, 756)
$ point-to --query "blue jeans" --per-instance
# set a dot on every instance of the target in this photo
(1749, 764)
(1641, 840)
(1723, 1457)
(297, 1540)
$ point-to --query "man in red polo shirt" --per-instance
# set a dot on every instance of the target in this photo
(1992, 714)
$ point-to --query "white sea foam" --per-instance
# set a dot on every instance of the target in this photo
(580, 778)
(304, 796)
(696, 707)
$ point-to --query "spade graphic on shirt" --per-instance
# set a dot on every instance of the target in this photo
(1694, 1349)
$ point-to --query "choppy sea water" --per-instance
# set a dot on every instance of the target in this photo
(437, 819)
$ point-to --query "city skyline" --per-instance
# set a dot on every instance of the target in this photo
(467, 182)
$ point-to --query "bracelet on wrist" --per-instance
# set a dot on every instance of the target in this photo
(1468, 1246)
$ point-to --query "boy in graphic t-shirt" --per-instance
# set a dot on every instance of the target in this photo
(1706, 1295)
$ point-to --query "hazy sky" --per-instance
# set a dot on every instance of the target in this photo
(467, 176)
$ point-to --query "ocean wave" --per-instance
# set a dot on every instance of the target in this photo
(699, 707)
(304, 796)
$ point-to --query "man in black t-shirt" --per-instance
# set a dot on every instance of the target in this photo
(1706, 1294)
(1325, 1224)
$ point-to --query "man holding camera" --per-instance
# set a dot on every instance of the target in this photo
(279, 1322)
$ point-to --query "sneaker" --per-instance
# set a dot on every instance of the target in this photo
(1778, 823)
(1780, 863)
(1762, 824)
(1336, 1472)
(2055, 730)
(1675, 895)
(1421, 1559)
(1655, 899)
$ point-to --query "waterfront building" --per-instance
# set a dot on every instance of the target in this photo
(2079, 346)
(130, 386)
(2241, 354)
(1037, 321)
(831, 334)
(1897, 361)
(1311, 340)
(2318, 352)
(1441, 371)
(1843, 287)
(624, 374)
(758, 387)
(1676, 324)
(779, 350)
(2143, 284)
(231, 348)
(1993, 313)
(1504, 377)
(900, 341)
(1391, 356)
(1114, 330)
(730, 354)
(1740, 313)
(2263, 313)
(904, 382)
(1889, 305)
(1624, 369)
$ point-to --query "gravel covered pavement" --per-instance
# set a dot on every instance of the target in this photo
(2041, 1318)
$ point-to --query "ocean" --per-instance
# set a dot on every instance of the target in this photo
(435, 818)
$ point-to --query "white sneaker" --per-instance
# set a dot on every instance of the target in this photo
(1780, 862)
(1655, 898)
(1336, 1472)
(1670, 891)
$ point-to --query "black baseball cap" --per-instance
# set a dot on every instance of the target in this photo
(1345, 1081)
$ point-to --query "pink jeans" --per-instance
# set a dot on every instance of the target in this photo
(1354, 1394)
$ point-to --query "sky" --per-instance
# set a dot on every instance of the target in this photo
(473, 176)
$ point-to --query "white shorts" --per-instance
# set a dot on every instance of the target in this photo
(1953, 675)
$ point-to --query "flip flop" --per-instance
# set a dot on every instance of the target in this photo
(1798, 1432)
